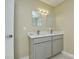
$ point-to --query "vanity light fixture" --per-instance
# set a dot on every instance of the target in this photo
(43, 12)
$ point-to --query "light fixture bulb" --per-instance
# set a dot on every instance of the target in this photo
(47, 12)
(43, 11)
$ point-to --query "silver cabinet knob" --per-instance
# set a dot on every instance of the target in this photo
(10, 36)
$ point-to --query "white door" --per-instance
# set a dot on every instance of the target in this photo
(9, 29)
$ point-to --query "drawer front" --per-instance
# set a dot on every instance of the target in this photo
(57, 37)
(42, 39)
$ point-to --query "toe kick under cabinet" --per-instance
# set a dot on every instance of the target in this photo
(45, 47)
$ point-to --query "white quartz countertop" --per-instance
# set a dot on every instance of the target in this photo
(43, 34)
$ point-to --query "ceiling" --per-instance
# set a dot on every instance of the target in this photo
(52, 2)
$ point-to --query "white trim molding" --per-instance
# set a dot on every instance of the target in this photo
(63, 52)
(68, 54)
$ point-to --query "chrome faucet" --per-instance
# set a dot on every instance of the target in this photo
(50, 30)
(38, 32)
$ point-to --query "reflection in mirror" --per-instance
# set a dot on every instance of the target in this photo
(50, 20)
(36, 18)
(42, 18)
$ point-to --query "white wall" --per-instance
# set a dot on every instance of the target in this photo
(65, 22)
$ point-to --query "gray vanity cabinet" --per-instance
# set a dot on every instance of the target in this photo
(41, 48)
(57, 44)
(45, 47)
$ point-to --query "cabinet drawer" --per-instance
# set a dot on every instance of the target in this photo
(42, 39)
(57, 37)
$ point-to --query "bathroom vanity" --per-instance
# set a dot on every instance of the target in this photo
(45, 45)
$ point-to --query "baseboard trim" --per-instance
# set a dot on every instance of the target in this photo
(68, 54)
(27, 57)
(63, 52)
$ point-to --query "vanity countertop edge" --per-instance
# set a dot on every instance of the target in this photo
(32, 35)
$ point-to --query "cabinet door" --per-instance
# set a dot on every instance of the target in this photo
(48, 49)
(57, 46)
(42, 50)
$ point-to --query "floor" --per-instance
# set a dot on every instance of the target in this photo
(59, 56)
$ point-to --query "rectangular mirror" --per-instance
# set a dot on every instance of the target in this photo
(42, 18)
